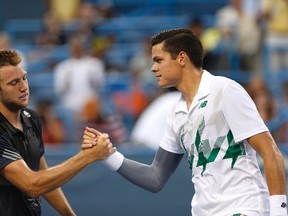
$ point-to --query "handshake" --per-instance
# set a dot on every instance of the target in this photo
(96, 145)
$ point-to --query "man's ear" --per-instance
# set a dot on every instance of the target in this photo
(182, 58)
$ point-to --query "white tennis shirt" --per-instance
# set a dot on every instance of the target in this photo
(213, 133)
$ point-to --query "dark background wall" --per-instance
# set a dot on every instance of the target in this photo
(17, 9)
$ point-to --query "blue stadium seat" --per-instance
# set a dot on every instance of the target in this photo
(23, 29)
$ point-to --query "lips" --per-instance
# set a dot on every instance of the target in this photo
(24, 96)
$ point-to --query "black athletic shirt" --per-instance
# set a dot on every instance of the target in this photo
(17, 145)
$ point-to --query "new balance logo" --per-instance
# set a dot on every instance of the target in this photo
(203, 104)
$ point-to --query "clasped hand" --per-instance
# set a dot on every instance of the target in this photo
(93, 138)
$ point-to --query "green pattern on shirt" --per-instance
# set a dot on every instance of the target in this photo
(207, 155)
(234, 150)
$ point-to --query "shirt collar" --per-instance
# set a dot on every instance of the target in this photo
(24, 118)
(203, 90)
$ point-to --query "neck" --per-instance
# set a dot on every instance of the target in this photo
(191, 85)
(12, 116)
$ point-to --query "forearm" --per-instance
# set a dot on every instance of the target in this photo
(47, 180)
(36, 183)
(58, 201)
(275, 178)
(274, 171)
(151, 177)
(275, 174)
(51, 178)
(141, 175)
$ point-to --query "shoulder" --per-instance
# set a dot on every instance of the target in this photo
(220, 84)
(226, 84)
(222, 80)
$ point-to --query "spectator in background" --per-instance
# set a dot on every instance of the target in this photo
(53, 131)
(93, 115)
(240, 35)
(105, 7)
(79, 77)
(100, 46)
(210, 38)
(260, 94)
(274, 115)
(88, 18)
(197, 27)
(275, 15)
(52, 33)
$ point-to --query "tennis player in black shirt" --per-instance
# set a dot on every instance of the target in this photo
(24, 175)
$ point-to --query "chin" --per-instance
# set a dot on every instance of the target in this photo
(24, 104)
(164, 85)
(19, 106)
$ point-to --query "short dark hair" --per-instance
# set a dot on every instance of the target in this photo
(181, 39)
(9, 57)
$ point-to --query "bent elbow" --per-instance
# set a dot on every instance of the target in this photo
(32, 192)
(156, 188)
(32, 189)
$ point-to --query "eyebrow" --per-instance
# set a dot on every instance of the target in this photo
(17, 79)
(156, 58)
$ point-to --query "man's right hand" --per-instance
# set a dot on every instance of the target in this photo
(97, 142)
(90, 137)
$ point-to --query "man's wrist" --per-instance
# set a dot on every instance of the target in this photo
(278, 205)
(114, 161)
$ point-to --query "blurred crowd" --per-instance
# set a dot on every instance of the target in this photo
(247, 40)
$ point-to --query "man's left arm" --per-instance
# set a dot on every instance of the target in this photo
(56, 198)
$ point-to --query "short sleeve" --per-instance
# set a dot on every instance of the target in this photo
(241, 113)
(8, 153)
(169, 141)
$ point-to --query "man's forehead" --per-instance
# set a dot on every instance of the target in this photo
(9, 70)
(158, 48)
